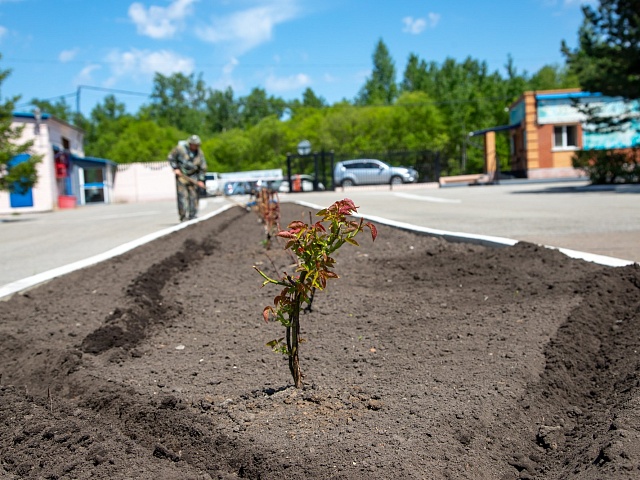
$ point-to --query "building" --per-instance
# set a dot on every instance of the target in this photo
(547, 127)
(66, 178)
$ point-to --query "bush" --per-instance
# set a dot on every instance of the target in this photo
(609, 166)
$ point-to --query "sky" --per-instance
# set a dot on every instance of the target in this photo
(82, 50)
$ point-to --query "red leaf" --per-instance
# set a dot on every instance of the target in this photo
(374, 230)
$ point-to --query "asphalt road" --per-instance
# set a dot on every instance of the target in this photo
(571, 215)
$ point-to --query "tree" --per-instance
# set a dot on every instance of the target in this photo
(550, 77)
(311, 100)
(104, 127)
(415, 75)
(308, 106)
(60, 109)
(223, 112)
(606, 59)
(15, 176)
(381, 87)
(257, 106)
(178, 100)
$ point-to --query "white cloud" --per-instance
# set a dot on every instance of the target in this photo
(244, 30)
(416, 26)
(143, 64)
(160, 22)
(68, 55)
(3, 31)
(85, 76)
(283, 84)
(327, 77)
(230, 66)
(434, 19)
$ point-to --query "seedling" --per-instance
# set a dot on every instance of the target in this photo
(313, 244)
(268, 206)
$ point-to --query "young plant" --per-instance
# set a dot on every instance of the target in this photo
(313, 244)
(269, 213)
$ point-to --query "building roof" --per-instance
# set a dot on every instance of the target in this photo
(43, 116)
(558, 96)
(91, 161)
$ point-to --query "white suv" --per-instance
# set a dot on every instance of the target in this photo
(371, 172)
(213, 184)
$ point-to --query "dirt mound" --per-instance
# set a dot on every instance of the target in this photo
(426, 359)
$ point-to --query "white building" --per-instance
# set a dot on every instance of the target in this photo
(66, 177)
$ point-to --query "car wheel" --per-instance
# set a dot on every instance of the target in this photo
(396, 180)
(347, 182)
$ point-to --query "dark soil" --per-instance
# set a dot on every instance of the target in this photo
(426, 359)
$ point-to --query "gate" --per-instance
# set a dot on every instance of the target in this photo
(312, 172)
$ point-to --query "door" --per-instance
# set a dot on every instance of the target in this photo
(92, 185)
(20, 199)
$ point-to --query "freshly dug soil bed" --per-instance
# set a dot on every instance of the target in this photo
(425, 360)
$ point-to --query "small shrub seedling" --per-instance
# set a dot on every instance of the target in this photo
(313, 244)
(269, 213)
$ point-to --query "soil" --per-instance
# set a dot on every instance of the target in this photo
(425, 360)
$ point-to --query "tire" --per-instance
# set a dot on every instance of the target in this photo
(347, 182)
(396, 180)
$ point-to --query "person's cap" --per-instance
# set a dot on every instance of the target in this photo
(194, 140)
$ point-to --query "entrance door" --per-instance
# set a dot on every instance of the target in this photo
(92, 184)
(20, 199)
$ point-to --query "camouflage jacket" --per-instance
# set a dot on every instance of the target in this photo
(191, 164)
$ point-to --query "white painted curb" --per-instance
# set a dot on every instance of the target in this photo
(485, 239)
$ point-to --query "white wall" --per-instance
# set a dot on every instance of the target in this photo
(144, 182)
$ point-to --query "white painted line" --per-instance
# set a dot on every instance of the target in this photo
(29, 282)
(487, 240)
(425, 198)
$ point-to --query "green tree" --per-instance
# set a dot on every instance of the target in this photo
(14, 177)
(141, 141)
(606, 59)
(415, 76)
(381, 87)
(257, 105)
(551, 77)
(222, 111)
(178, 100)
(228, 151)
(310, 102)
(105, 125)
(60, 109)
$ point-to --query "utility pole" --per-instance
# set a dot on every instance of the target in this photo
(78, 99)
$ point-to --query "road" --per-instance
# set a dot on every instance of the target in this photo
(571, 215)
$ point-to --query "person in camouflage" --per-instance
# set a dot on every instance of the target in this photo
(190, 167)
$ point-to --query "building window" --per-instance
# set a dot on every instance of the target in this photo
(565, 136)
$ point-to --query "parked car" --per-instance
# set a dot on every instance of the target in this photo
(239, 188)
(371, 172)
(306, 184)
(213, 184)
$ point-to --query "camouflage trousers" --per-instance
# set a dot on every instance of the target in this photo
(187, 199)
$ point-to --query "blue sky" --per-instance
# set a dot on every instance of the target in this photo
(283, 46)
